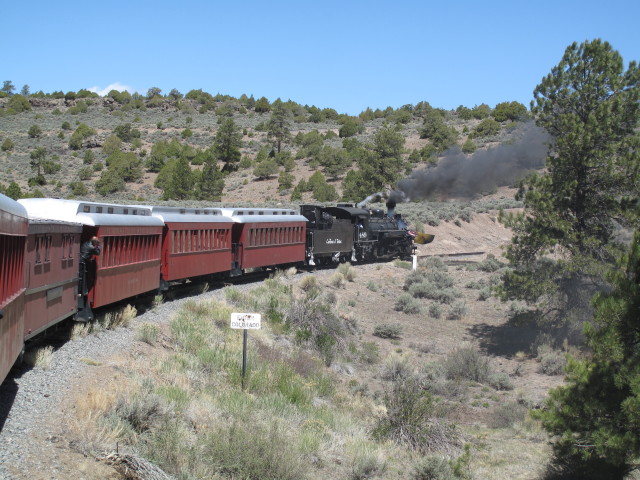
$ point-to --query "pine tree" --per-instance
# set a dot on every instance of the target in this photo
(596, 416)
(379, 168)
(590, 107)
(180, 185)
(227, 144)
(211, 183)
(37, 159)
(278, 126)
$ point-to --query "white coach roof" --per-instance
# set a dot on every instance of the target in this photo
(262, 215)
(189, 214)
(88, 213)
(12, 207)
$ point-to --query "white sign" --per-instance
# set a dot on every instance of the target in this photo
(249, 321)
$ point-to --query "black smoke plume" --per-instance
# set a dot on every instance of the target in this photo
(460, 176)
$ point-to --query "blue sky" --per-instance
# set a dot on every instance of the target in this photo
(347, 55)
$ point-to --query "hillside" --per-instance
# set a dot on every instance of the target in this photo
(49, 123)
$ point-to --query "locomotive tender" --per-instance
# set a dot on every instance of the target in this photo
(146, 248)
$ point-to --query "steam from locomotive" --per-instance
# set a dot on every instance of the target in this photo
(459, 176)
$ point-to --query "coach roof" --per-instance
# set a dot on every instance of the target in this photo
(262, 215)
(89, 213)
(189, 214)
(9, 205)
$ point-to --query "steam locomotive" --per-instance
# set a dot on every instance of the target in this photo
(351, 233)
(147, 248)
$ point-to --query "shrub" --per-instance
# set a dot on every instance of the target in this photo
(35, 131)
(7, 145)
(395, 368)
(369, 352)
(347, 271)
(486, 128)
(314, 322)
(78, 189)
(552, 362)
(413, 418)
(507, 414)
(469, 146)
(253, 451)
(77, 137)
(423, 290)
(407, 304)
(490, 264)
(367, 466)
(148, 333)
(308, 283)
(435, 310)
(484, 294)
(500, 381)
(433, 468)
(458, 310)
(466, 363)
(387, 330)
(18, 104)
(85, 173)
(433, 263)
(337, 280)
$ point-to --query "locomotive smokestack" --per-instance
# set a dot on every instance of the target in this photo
(391, 205)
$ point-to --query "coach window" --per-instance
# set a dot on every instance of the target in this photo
(138, 248)
(47, 248)
(38, 250)
(104, 257)
(123, 250)
(127, 249)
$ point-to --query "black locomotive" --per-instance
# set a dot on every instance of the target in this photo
(353, 233)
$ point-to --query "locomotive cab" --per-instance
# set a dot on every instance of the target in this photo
(330, 235)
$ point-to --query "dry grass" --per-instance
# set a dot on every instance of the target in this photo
(80, 330)
(40, 358)
(193, 389)
(89, 429)
(120, 318)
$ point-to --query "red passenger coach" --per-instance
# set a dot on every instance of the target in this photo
(13, 237)
(53, 255)
(195, 242)
(266, 237)
(129, 263)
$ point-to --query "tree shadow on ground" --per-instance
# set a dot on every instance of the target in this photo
(505, 340)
